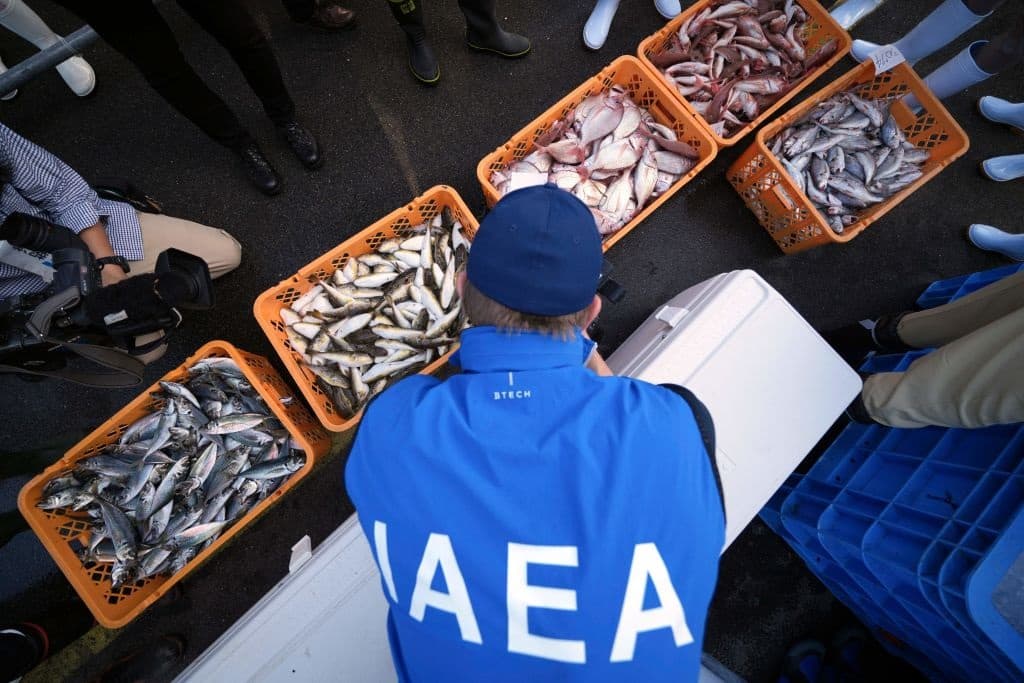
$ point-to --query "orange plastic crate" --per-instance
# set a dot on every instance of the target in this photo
(818, 30)
(397, 223)
(786, 212)
(644, 89)
(59, 531)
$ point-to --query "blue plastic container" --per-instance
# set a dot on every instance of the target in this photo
(943, 291)
(916, 530)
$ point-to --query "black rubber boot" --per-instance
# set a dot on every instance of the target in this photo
(422, 61)
(484, 33)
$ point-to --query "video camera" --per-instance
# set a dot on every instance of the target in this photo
(76, 307)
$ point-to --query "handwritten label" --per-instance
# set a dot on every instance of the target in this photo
(886, 57)
(518, 180)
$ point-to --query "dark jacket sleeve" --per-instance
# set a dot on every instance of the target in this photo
(707, 431)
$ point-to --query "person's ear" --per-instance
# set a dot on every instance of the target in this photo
(460, 282)
(593, 310)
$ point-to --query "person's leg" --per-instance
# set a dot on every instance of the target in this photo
(18, 17)
(932, 327)
(993, 239)
(422, 62)
(935, 31)
(484, 33)
(943, 324)
(975, 381)
(231, 22)
(325, 14)
(221, 251)
(138, 31)
(976, 62)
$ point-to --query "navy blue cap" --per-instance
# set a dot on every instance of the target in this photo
(538, 251)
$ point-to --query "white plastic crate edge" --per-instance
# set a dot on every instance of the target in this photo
(276, 639)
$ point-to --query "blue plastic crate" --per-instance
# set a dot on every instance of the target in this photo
(994, 592)
(901, 524)
(944, 291)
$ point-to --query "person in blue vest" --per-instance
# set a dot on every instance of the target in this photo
(533, 517)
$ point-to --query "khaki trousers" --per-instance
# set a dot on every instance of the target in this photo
(976, 376)
(221, 251)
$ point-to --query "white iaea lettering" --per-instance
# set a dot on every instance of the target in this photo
(634, 619)
(439, 555)
(521, 596)
(646, 566)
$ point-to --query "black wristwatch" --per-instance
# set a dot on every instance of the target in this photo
(116, 260)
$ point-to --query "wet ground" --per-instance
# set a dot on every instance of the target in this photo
(387, 139)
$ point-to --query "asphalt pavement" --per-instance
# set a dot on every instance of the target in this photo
(386, 140)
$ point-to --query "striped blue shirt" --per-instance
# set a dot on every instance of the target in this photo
(37, 183)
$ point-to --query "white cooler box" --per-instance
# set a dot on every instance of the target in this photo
(772, 385)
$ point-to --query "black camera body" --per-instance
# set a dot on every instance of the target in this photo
(79, 308)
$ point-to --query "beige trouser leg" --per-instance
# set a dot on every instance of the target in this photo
(942, 324)
(974, 381)
(221, 251)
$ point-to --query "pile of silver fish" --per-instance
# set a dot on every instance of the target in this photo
(607, 151)
(847, 155)
(179, 477)
(734, 59)
(382, 316)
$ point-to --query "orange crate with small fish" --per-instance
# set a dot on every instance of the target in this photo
(733, 66)
(364, 346)
(929, 137)
(66, 533)
(620, 142)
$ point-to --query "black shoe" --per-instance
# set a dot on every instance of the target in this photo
(303, 144)
(484, 33)
(259, 170)
(422, 61)
(858, 412)
(500, 42)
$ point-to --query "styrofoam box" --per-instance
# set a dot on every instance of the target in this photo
(773, 386)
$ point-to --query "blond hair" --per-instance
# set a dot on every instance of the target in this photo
(483, 310)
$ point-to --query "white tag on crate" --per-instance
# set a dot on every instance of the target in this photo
(518, 180)
(886, 57)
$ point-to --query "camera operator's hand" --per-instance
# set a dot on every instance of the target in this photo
(111, 275)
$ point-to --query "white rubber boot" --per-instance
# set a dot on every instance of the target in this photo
(1009, 167)
(14, 93)
(955, 75)
(1001, 111)
(934, 32)
(849, 12)
(595, 31)
(668, 8)
(19, 18)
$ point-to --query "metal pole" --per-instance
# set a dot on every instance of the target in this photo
(22, 72)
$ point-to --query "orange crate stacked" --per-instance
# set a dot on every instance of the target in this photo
(646, 90)
(786, 212)
(397, 223)
(819, 29)
(60, 532)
